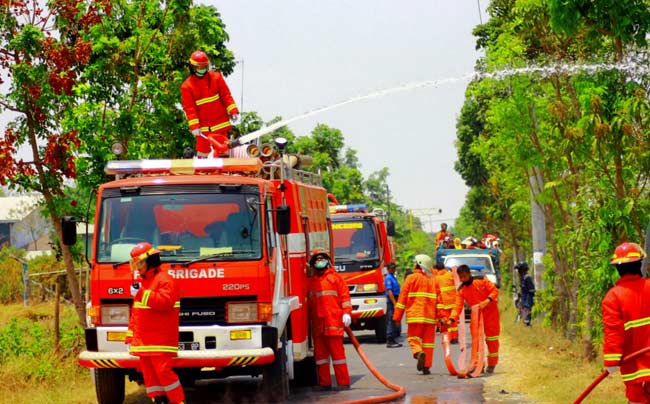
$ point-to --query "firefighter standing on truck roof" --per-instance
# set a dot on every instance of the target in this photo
(208, 105)
(447, 301)
(626, 323)
(419, 298)
(330, 311)
(481, 292)
(153, 327)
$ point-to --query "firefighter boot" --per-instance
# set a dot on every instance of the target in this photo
(490, 369)
(160, 400)
(420, 356)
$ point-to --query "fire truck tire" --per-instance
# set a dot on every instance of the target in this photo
(109, 385)
(380, 329)
(304, 372)
(275, 378)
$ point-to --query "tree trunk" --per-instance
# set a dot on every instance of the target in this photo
(73, 283)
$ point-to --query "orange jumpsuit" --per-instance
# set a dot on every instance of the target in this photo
(626, 322)
(207, 103)
(329, 299)
(447, 301)
(153, 333)
(479, 290)
(419, 298)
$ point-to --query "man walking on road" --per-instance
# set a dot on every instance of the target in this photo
(392, 294)
(626, 323)
(418, 298)
(481, 292)
(446, 301)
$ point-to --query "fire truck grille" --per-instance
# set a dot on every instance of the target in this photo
(208, 310)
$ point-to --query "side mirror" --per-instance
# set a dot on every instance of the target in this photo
(69, 230)
(390, 228)
(283, 219)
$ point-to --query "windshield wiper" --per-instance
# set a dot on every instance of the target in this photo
(208, 257)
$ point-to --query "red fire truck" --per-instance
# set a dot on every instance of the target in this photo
(362, 250)
(237, 242)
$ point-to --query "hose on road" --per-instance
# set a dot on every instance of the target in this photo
(605, 373)
(399, 390)
(474, 367)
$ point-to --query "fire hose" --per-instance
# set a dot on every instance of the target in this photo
(605, 373)
(474, 367)
(399, 390)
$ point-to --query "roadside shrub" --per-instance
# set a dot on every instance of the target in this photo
(11, 276)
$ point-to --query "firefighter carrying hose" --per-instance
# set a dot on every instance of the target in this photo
(418, 298)
(208, 105)
(330, 311)
(481, 292)
(626, 323)
(153, 328)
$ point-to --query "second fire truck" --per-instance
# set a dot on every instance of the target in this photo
(362, 250)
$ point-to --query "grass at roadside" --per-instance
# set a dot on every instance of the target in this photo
(546, 368)
(29, 370)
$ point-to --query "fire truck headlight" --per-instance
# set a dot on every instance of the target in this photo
(112, 315)
(248, 312)
(368, 287)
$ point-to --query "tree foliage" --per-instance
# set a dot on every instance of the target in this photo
(582, 132)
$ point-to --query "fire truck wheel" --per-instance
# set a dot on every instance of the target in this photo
(109, 385)
(380, 329)
(304, 372)
(275, 377)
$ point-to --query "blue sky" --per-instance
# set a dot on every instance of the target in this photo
(300, 55)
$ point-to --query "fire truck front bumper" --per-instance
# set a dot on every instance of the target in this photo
(215, 347)
(185, 359)
(364, 307)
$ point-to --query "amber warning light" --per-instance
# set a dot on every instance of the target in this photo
(183, 166)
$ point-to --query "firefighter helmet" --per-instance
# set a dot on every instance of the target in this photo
(143, 251)
(199, 60)
(424, 261)
(319, 260)
(627, 252)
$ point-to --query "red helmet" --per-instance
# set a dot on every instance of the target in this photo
(317, 254)
(627, 252)
(142, 251)
(199, 60)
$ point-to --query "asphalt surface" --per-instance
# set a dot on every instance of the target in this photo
(395, 364)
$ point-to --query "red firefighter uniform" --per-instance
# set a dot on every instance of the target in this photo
(447, 301)
(419, 298)
(479, 290)
(626, 322)
(207, 103)
(153, 333)
(329, 299)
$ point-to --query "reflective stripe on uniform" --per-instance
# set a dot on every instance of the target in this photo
(207, 99)
(633, 376)
(637, 323)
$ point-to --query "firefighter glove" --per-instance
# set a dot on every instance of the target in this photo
(347, 320)
(135, 288)
(196, 132)
(234, 117)
(612, 369)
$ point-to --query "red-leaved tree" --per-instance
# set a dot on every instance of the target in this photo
(42, 54)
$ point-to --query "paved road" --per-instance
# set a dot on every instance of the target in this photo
(395, 364)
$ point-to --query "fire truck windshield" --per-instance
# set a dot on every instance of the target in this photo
(184, 227)
(354, 240)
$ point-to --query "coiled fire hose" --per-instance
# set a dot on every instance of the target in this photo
(605, 373)
(474, 367)
(399, 390)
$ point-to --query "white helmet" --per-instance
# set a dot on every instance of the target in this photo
(424, 261)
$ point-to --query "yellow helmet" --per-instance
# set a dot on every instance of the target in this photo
(424, 261)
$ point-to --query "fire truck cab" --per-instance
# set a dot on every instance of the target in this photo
(237, 242)
(362, 249)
